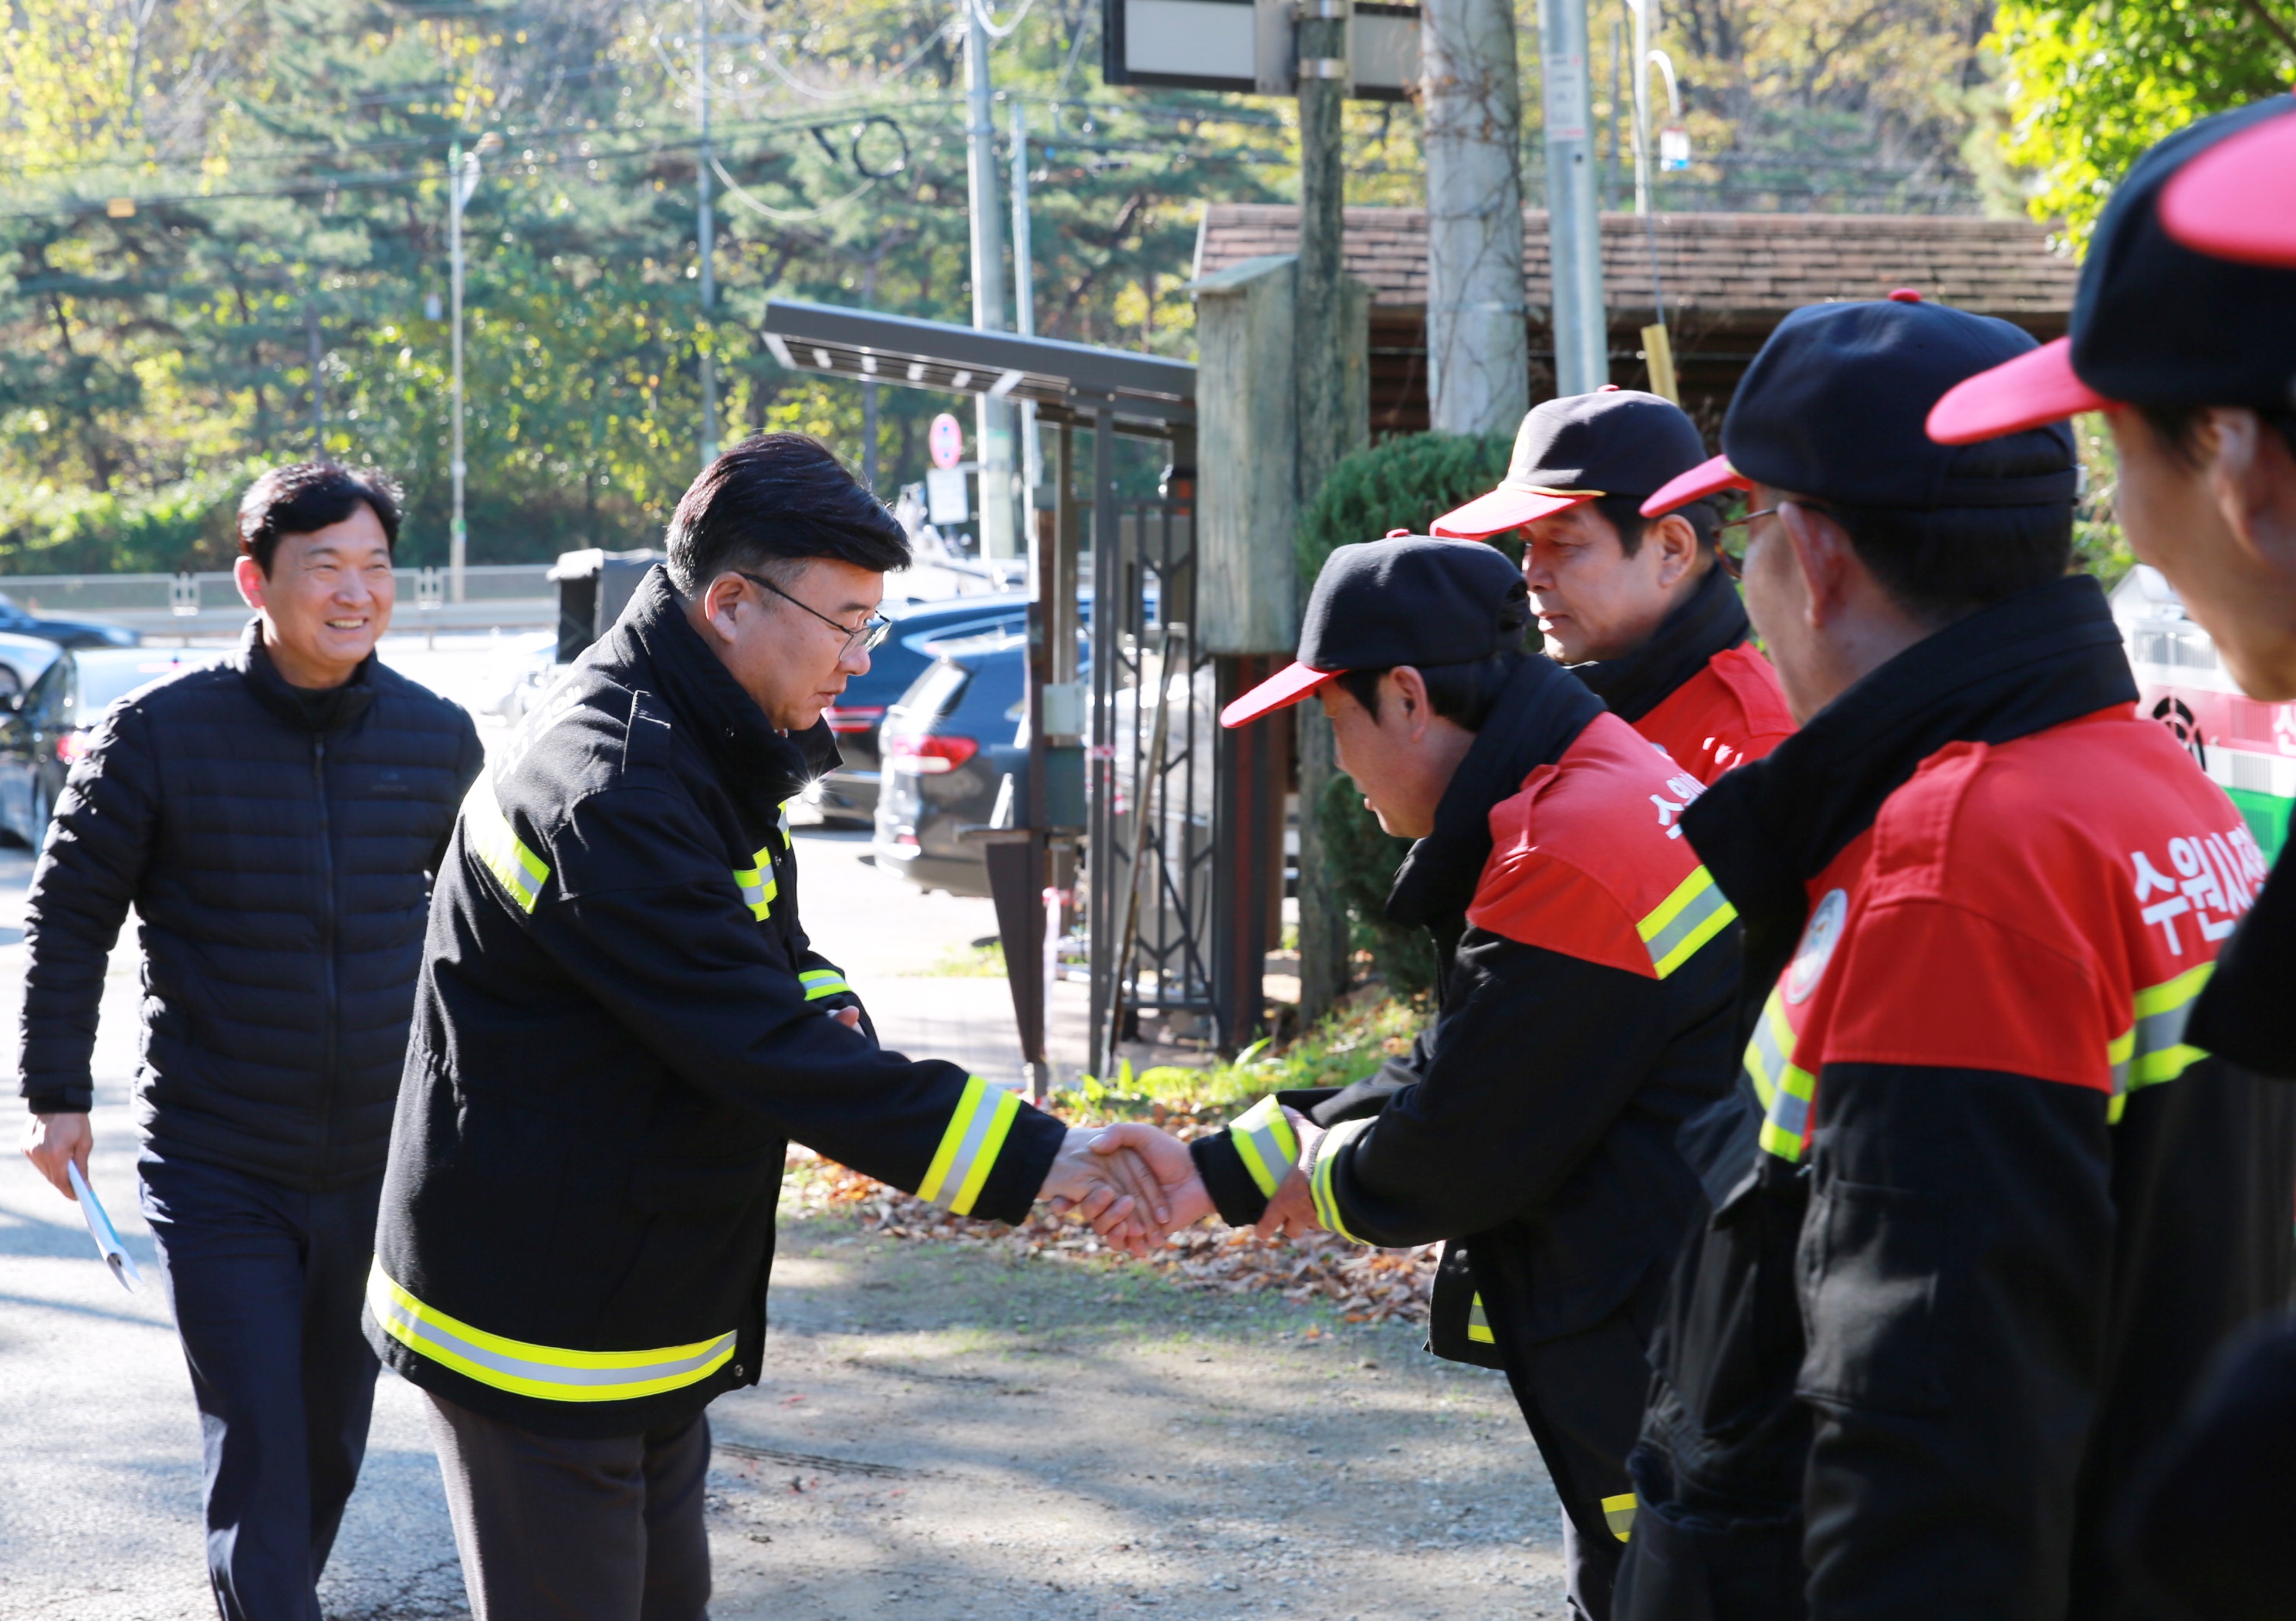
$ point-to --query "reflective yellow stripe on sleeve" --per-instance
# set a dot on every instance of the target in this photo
(2153, 1049)
(969, 1147)
(1618, 1514)
(1685, 921)
(819, 983)
(1319, 1181)
(1478, 1322)
(1785, 1090)
(1267, 1144)
(758, 885)
(491, 838)
(546, 1372)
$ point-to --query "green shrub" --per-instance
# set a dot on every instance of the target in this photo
(1406, 482)
(188, 524)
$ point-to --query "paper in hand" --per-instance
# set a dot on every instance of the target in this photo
(107, 1237)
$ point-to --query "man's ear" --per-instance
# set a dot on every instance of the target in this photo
(249, 577)
(1410, 696)
(723, 601)
(1678, 548)
(2252, 476)
(1821, 551)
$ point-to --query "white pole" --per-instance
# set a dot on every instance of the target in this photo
(1574, 234)
(707, 231)
(1642, 9)
(1024, 292)
(993, 416)
(458, 190)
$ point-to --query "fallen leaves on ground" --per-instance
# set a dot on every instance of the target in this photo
(1364, 1285)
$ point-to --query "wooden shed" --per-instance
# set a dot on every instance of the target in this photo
(1728, 280)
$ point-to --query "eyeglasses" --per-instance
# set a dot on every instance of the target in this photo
(870, 632)
(1743, 519)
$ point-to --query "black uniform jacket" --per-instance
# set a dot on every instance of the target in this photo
(620, 1025)
(1533, 1123)
(1908, 1370)
(276, 846)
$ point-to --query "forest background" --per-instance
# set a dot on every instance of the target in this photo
(223, 223)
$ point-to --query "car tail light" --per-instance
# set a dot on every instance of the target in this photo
(71, 746)
(845, 722)
(928, 755)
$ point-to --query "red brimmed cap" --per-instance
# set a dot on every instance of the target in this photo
(2237, 200)
(2038, 386)
(1281, 690)
(1509, 507)
(1710, 477)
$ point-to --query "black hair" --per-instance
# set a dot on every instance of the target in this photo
(1625, 514)
(1945, 564)
(2179, 428)
(1463, 693)
(778, 499)
(303, 498)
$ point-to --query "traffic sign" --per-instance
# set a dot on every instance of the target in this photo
(946, 439)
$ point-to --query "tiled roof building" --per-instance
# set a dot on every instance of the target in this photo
(1728, 279)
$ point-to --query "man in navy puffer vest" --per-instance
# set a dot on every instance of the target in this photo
(273, 819)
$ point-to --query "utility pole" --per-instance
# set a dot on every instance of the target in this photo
(318, 385)
(1024, 300)
(1574, 232)
(707, 229)
(461, 180)
(1477, 351)
(994, 416)
(1320, 332)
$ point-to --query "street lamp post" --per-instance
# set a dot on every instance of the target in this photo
(461, 180)
(707, 235)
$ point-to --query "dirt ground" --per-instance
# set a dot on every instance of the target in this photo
(958, 1435)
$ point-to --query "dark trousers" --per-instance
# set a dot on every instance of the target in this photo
(556, 1530)
(265, 1285)
(1582, 1396)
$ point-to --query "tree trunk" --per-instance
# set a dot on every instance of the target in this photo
(1478, 351)
(1322, 330)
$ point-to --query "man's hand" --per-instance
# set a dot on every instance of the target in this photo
(1114, 1191)
(851, 1017)
(53, 1142)
(1182, 1200)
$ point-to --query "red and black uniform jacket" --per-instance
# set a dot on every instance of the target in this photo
(620, 1025)
(1697, 688)
(1981, 1214)
(1583, 1012)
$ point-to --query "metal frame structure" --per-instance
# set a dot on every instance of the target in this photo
(1188, 903)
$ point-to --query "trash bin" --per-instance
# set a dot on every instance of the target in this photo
(593, 586)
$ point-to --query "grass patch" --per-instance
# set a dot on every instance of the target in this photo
(971, 962)
(1348, 1044)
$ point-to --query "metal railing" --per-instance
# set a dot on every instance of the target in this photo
(502, 594)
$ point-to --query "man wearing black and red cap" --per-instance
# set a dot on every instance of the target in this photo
(1582, 1014)
(1979, 1213)
(1640, 609)
(2191, 356)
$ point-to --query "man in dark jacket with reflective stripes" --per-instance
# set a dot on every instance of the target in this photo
(622, 1026)
(272, 820)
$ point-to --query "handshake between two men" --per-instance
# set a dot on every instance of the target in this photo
(1137, 1185)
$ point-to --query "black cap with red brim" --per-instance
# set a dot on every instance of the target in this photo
(2237, 200)
(1711, 477)
(1577, 448)
(2154, 322)
(1408, 599)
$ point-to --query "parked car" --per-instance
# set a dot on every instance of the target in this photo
(849, 794)
(948, 746)
(65, 632)
(42, 733)
(23, 660)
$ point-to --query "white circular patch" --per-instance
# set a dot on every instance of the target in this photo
(1819, 939)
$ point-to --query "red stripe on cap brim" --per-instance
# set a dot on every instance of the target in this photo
(1500, 511)
(1281, 690)
(2038, 386)
(2237, 200)
(1711, 477)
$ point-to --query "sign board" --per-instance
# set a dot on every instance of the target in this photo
(1238, 45)
(944, 497)
(946, 439)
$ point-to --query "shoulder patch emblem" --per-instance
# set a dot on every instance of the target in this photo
(1819, 936)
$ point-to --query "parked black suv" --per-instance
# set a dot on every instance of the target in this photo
(65, 632)
(948, 745)
(849, 794)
